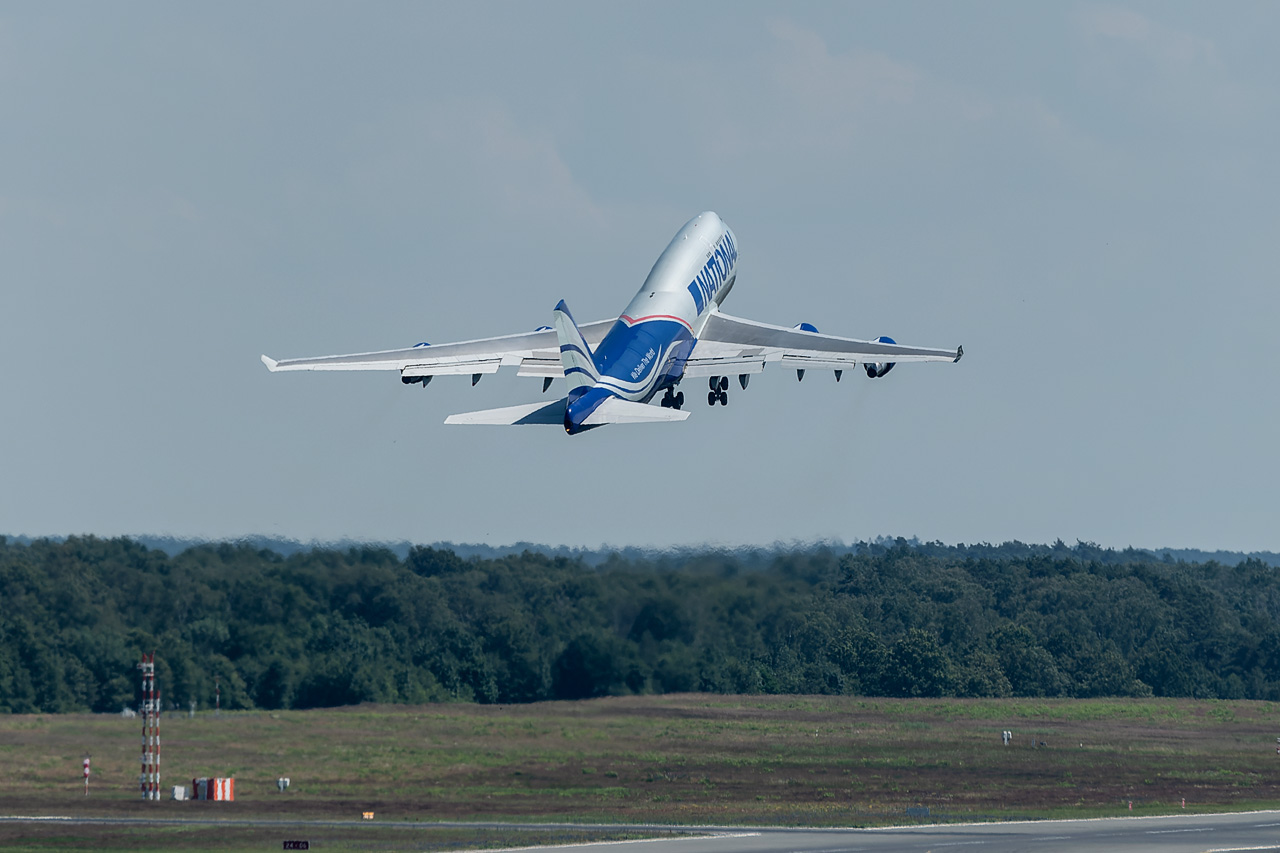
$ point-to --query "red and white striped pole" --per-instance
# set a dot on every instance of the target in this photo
(142, 776)
(155, 754)
(86, 775)
(149, 780)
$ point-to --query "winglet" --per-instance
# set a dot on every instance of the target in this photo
(270, 362)
(959, 354)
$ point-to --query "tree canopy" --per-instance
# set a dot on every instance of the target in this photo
(333, 627)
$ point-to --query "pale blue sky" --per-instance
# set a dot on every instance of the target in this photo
(1084, 195)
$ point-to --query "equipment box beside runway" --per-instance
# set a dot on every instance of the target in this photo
(218, 788)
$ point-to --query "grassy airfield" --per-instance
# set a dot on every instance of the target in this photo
(687, 759)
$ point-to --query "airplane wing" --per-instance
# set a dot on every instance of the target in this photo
(731, 345)
(534, 353)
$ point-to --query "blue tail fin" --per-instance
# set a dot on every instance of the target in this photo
(579, 362)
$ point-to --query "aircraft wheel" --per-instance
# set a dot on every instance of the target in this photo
(724, 383)
(712, 396)
(724, 398)
(679, 400)
(713, 383)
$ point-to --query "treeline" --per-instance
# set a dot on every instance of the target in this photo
(322, 628)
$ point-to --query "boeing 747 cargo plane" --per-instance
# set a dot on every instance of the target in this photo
(673, 330)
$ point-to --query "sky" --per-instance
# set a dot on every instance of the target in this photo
(1083, 195)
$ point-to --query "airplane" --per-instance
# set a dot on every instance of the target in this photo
(672, 330)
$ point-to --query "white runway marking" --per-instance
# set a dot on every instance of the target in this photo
(715, 837)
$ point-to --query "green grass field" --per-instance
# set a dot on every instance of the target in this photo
(675, 759)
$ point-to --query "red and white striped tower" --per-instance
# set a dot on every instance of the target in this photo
(142, 712)
(149, 780)
(155, 752)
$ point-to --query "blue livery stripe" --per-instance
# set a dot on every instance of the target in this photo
(714, 272)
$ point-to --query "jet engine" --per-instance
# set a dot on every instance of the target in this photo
(877, 369)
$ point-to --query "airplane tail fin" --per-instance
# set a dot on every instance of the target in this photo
(579, 362)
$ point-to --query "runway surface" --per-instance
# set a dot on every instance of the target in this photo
(1177, 834)
(1220, 833)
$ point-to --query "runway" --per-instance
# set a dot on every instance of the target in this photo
(1219, 833)
(1176, 834)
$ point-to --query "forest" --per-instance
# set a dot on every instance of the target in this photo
(328, 627)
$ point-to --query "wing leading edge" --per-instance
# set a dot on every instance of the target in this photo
(534, 353)
(734, 345)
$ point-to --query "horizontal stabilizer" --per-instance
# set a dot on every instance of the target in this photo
(618, 411)
(529, 413)
(611, 411)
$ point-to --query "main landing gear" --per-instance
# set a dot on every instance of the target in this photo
(719, 392)
(672, 400)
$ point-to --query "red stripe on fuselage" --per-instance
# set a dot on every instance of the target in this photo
(630, 322)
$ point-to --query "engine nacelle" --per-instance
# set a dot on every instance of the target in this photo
(880, 368)
(806, 327)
